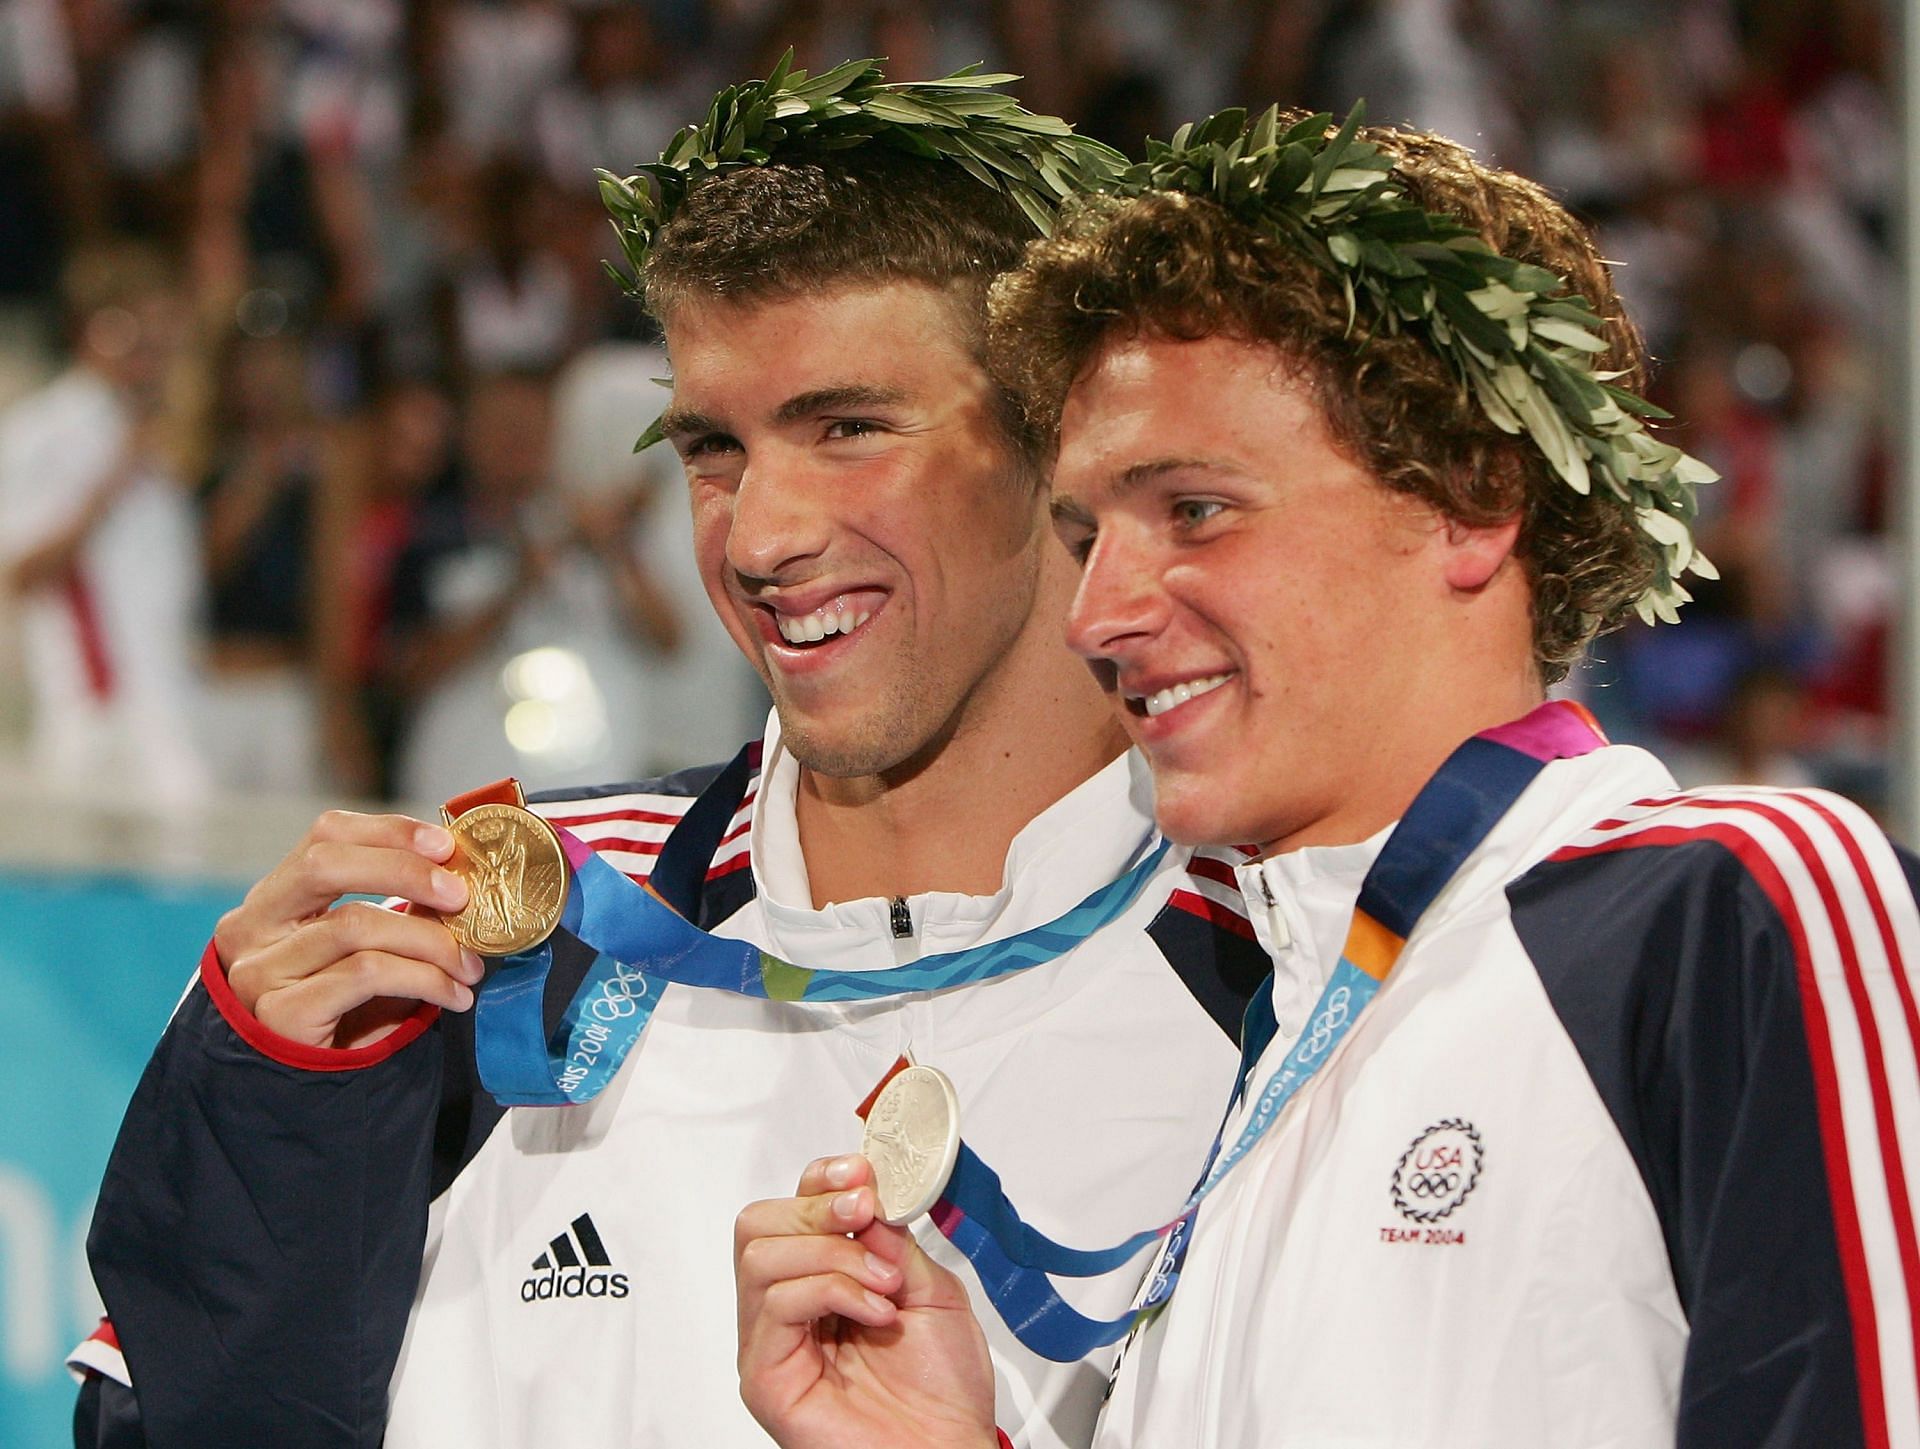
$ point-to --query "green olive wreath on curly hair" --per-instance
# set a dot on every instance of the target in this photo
(1515, 334)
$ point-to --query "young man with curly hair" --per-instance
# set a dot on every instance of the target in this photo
(1584, 1110)
(317, 1226)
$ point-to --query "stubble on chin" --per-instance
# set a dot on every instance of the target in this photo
(880, 738)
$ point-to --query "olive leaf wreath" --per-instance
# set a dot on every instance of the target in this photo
(1038, 161)
(1514, 333)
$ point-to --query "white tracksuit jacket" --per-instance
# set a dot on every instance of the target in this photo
(1624, 1154)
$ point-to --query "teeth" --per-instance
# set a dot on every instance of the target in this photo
(812, 628)
(1162, 700)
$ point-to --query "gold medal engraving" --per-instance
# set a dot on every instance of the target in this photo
(912, 1140)
(516, 877)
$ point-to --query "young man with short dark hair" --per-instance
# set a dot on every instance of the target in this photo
(941, 803)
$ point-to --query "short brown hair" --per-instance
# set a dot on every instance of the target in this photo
(869, 214)
(865, 215)
(1177, 266)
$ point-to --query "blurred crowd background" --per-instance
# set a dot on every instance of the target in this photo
(314, 465)
(316, 411)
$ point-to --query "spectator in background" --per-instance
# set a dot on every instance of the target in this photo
(143, 114)
(1764, 730)
(260, 510)
(408, 184)
(496, 61)
(515, 295)
(515, 612)
(405, 461)
(701, 689)
(274, 210)
(620, 109)
(98, 544)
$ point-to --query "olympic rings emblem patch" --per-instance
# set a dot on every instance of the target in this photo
(1435, 1174)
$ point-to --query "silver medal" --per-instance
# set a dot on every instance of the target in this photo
(912, 1140)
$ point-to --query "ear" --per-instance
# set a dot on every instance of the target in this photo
(1474, 554)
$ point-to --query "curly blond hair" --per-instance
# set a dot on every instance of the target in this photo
(1170, 265)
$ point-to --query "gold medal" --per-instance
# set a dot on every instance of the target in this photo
(516, 875)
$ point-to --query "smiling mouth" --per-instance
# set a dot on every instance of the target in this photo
(806, 631)
(1173, 696)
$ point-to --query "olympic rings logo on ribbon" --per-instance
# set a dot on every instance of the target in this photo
(1327, 1025)
(1166, 1265)
(621, 993)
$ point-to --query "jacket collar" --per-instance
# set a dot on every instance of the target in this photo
(1085, 839)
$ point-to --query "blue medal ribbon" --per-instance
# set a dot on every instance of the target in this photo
(643, 944)
(1448, 820)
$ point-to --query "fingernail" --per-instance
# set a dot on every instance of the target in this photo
(448, 887)
(471, 967)
(432, 841)
(847, 1205)
(877, 1303)
(840, 1172)
(462, 998)
(879, 1266)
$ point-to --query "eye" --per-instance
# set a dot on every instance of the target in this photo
(708, 445)
(1192, 512)
(843, 428)
(1075, 533)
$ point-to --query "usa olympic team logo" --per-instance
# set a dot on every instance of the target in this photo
(1437, 1172)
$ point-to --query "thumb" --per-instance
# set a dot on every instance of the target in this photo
(925, 1284)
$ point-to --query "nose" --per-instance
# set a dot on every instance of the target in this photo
(1120, 601)
(778, 522)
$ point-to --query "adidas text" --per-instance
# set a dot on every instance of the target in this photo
(573, 1283)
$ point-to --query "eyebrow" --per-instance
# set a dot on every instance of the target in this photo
(837, 399)
(1153, 469)
(679, 422)
(1067, 509)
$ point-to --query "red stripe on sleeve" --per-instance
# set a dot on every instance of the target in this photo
(1195, 904)
(639, 817)
(626, 845)
(1218, 871)
(643, 817)
(1899, 1205)
(1846, 1219)
(729, 866)
(298, 1054)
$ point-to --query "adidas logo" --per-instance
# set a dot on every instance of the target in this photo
(575, 1265)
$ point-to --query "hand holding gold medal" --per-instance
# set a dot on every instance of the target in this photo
(516, 873)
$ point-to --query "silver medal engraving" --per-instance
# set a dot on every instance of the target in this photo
(912, 1140)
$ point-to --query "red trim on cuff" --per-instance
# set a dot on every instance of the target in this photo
(298, 1054)
(1005, 1442)
(105, 1333)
